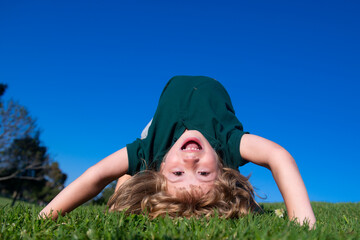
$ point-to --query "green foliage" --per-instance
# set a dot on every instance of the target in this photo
(15, 123)
(2, 89)
(335, 221)
(26, 170)
(7, 201)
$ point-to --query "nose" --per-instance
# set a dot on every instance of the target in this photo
(191, 159)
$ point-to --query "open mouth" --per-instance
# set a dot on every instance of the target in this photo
(191, 144)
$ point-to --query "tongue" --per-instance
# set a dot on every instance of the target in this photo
(191, 145)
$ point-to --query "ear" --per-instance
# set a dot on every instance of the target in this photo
(162, 165)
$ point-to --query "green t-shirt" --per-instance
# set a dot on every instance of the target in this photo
(193, 103)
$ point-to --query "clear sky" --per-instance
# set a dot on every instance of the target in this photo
(91, 73)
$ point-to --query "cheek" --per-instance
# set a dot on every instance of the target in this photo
(215, 160)
(162, 167)
(169, 157)
(168, 161)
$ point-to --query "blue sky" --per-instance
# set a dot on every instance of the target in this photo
(91, 73)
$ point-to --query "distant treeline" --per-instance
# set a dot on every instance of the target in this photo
(27, 171)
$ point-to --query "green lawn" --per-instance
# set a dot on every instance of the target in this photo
(8, 201)
(335, 221)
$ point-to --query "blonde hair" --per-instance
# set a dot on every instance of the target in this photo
(146, 192)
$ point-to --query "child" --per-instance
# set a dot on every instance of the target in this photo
(191, 147)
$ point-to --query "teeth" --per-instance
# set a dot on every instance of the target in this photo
(192, 149)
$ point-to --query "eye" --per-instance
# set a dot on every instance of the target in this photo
(203, 173)
(178, 173)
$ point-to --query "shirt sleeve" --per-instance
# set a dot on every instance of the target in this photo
(234, 159)
(135, 154)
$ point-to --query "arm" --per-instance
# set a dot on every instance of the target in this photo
(89, 184)
(282, 165)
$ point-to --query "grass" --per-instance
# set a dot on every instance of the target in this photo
(335, 221)
(8, 201)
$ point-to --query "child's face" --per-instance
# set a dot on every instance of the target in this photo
(191, 162)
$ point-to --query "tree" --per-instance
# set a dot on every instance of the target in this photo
(15, 121)
(2, 89)
(24, 159)
(25, 166)
(29, 173)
